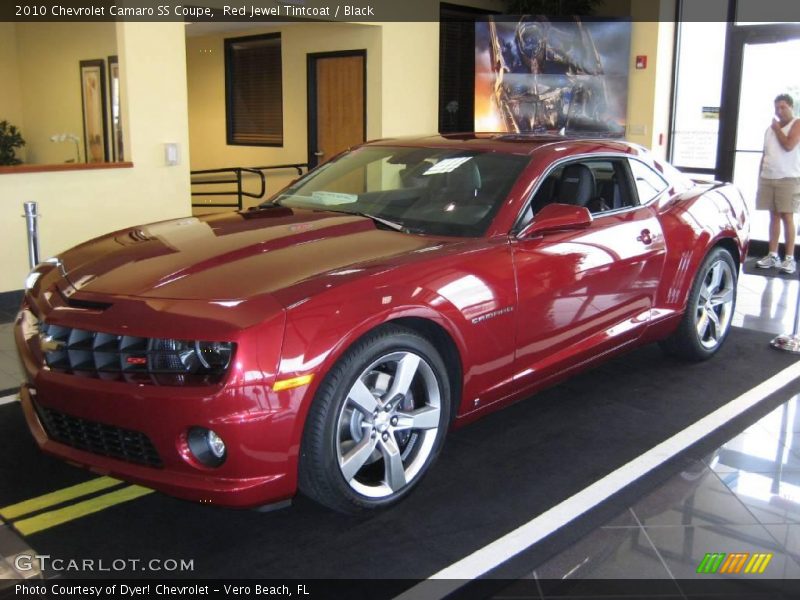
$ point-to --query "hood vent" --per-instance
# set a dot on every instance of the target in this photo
(83, 304)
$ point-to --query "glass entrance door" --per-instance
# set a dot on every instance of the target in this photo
(768, 69)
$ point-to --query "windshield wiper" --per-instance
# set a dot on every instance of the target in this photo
(390, 224)
(267, 204)
(393, 224)
(382, 221)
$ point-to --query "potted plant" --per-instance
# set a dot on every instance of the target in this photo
(10, 139)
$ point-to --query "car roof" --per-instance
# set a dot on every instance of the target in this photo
(513, 143)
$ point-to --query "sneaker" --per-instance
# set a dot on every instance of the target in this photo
(769, 261)
(788, 265)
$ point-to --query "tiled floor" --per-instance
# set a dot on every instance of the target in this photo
(10, 370)
(743, 497)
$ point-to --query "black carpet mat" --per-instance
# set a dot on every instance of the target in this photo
(492, 477)
(24, 471)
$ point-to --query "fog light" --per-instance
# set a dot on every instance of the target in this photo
(215, 444)
(206, 446)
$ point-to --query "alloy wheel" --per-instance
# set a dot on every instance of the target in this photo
(715, 304)
(388, 425)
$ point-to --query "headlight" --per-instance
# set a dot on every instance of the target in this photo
(190, 356)
(214, 355)
(167, 361)
(173, 356)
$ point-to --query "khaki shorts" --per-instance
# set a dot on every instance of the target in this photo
(779, 195)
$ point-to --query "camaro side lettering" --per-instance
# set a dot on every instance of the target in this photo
(493, 314)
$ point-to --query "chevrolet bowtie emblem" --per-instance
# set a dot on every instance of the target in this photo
(49, 344)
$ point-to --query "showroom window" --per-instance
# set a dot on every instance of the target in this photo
(254, 91)
(696, 114)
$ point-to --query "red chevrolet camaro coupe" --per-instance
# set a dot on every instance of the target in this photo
(326, 341)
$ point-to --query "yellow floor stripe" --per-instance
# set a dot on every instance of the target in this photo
(81, 509)
(76, 491)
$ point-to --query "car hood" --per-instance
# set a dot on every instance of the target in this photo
(238, 255)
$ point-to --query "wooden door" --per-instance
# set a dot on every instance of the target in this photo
(337, 103)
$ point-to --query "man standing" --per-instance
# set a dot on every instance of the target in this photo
(779, 183)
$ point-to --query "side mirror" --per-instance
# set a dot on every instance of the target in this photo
(557, 217)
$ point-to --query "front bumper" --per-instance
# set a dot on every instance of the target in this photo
(257, 425)
(198, 487)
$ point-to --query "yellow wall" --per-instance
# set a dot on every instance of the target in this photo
(10, 98)
(79, 205)
(410, 78)
(48, 56)
(206, 79)
(649, 90)
(402, 89)
(403, 85)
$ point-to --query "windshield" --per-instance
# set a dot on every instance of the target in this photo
(436, 191)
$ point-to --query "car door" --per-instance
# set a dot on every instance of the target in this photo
(584, 292)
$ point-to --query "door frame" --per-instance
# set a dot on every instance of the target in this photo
(738, 36)
(311, 76)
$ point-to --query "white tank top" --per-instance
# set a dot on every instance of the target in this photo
(778, 163)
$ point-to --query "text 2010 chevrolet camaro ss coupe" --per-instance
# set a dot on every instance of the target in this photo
(328, 339)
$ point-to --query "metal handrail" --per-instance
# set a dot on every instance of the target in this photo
(298, 166)
(237, 172)
(237, 180)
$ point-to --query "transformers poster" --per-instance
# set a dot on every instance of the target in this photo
(536, 75)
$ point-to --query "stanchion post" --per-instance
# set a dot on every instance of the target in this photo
(31, 219)
(790, 342)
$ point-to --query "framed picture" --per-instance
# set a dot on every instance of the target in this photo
(117, 148)
(537, 75)
(93, 99)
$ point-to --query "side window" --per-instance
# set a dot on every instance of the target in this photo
(597, 184)
(649, 183)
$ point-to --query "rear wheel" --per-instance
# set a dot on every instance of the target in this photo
(377, 422)
(709, 309)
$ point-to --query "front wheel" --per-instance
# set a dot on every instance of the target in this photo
(709, 309)
(377, 422)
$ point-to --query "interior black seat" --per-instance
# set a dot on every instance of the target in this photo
(577, 185)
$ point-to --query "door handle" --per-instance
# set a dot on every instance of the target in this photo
(645, 237)
(319, 154)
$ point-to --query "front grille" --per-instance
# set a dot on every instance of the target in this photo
(129, 358)
(107, 440)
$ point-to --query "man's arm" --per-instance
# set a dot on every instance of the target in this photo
(787, 142)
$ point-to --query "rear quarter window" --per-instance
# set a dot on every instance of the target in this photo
(649, 183)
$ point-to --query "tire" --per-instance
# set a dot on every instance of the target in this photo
(709, 309)
(377, 422)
